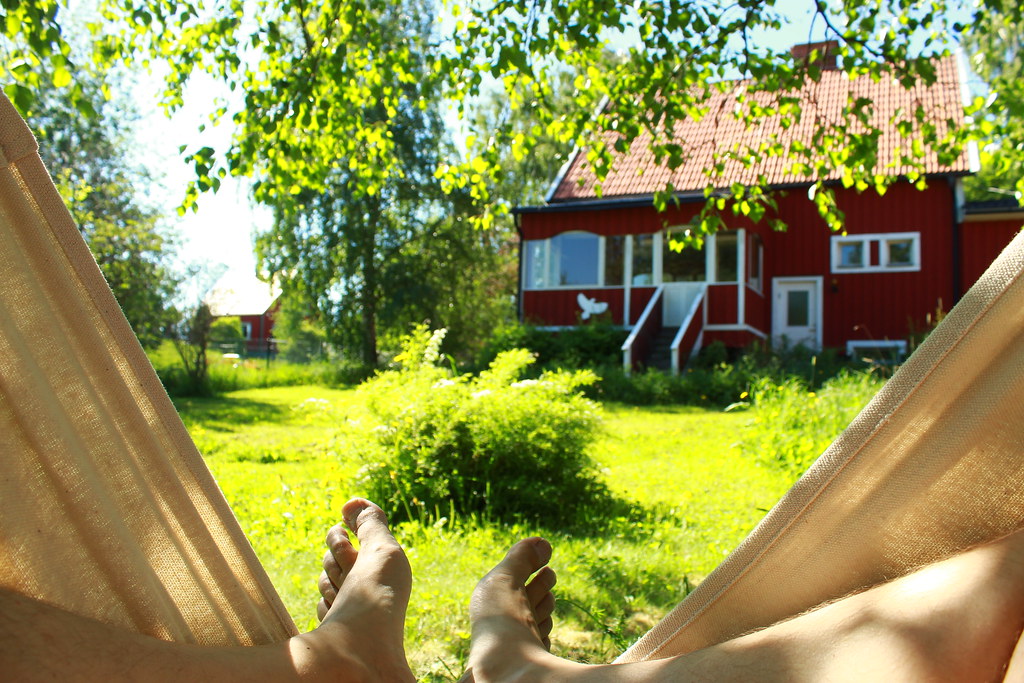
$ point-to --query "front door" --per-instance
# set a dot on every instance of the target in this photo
(679, 298)
(796, 311)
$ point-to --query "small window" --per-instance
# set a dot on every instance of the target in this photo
(876, 253)
(755, 262)
(798, 308)
(875, 352)
(725, 257)
(899, 253)
(246, 330)
(643, 260)
(687, 265)
(614, 260)
(851, 254)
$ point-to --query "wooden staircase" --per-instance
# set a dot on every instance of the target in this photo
(660, 356)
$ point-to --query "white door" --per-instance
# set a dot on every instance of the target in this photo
(679, 298)
(796, 311)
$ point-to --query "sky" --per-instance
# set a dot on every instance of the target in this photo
(219, 235)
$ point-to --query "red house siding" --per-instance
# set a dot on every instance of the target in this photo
(638, 300)
(560, 307)
(980, 242)
(723, 307)
(871, 306)
(260, 340)
(624, 221)
(756, 311)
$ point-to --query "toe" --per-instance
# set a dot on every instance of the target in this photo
(322, 608)
(328, 590)
(368, 522)
(544, 629)
(540, 585)
(544, 609)
(341, 554)
(380, 557)
(525, 558)
(332, 569)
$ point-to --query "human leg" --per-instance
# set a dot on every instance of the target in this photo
(954, 620)
(360, 638)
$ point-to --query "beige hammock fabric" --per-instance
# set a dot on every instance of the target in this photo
(933, 465)
(108, 510)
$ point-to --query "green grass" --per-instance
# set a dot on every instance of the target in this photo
(284, 459)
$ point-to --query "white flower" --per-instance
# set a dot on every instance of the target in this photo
(482, 392)
(443, 383)
(524, 383)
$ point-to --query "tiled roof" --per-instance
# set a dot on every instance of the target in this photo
(239, 293)
(636, 172)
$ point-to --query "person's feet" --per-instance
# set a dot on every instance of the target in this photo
(511, 616)
(365, 594)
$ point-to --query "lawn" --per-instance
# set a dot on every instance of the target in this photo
(283, 457)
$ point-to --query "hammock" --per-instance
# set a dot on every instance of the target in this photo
(109, 510)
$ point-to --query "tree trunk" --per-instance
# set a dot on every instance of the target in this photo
(369, 298)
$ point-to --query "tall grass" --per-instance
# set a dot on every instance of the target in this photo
(792, 425)
(235, 374)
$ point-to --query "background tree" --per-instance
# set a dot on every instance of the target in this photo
(358, 253)
(995, 41)
(191, 336)
(310, 72)
(89, 160)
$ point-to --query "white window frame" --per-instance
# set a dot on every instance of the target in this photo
(247, 330)
(898, 344)
(546, 257)
(882, 239)
(755, 256)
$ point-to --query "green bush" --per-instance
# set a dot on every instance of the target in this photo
(497, 445)
(595, 344)
(792, 425)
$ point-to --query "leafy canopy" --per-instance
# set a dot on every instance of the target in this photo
(308, 71)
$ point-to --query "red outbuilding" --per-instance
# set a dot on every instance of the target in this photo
(902, 255)
(254, 303)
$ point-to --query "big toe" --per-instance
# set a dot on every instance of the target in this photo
(368, 522)
(524, 558)
(380, 556)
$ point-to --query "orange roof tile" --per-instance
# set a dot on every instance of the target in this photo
(636, 172)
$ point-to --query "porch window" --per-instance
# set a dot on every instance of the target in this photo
(755, 261)
(643, 260)
(614, 260)
(681, 266)
(726, 269)
(876, 253)
(571, 259)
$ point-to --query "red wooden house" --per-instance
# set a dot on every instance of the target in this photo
(255, 303)
(902, 255)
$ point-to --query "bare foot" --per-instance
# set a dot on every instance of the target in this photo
(511, 617)
(365, 594)
(957, 620)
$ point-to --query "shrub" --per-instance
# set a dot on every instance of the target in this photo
(792, 425)
(592, 345)
(494, 444)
